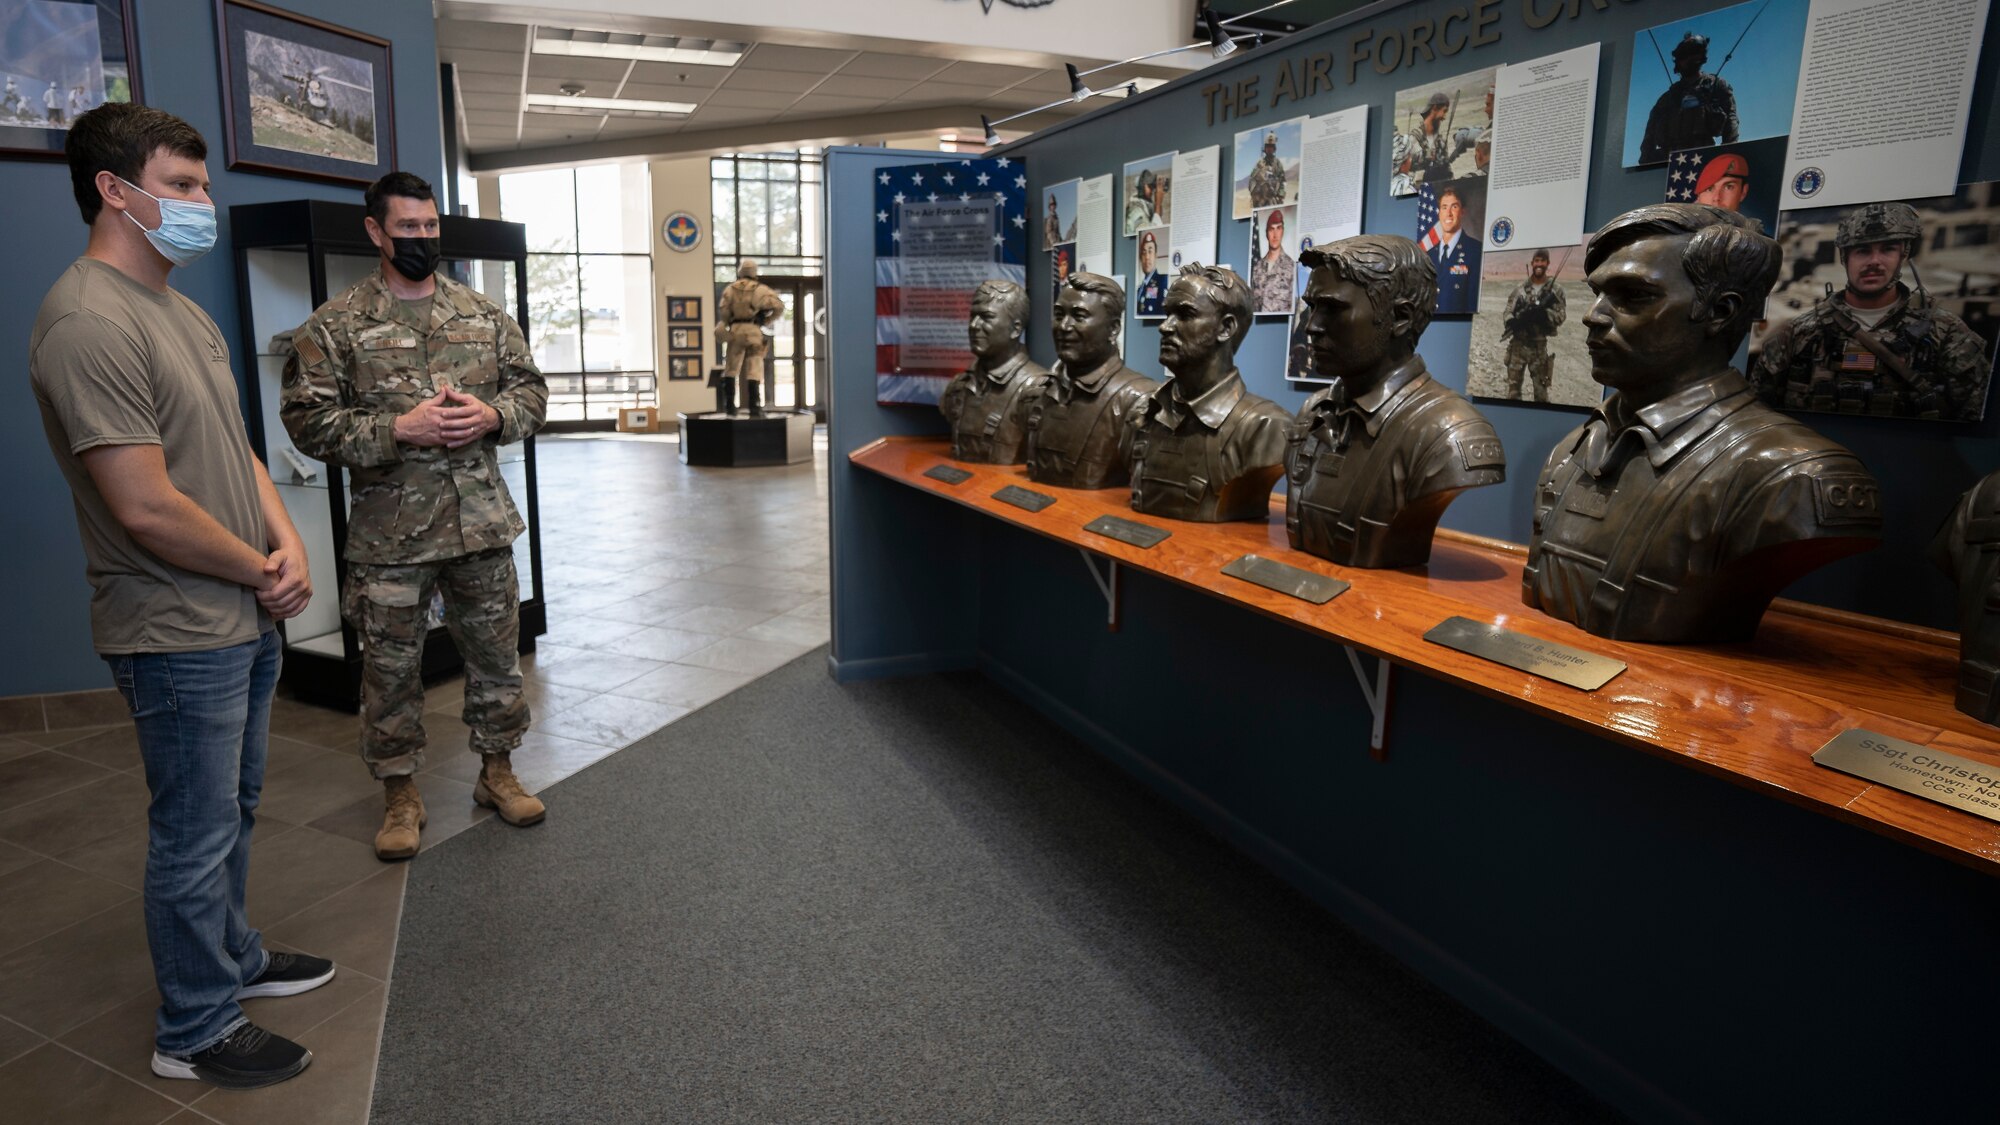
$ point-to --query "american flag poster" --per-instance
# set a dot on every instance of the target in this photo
(940, 230)
(1742, 177)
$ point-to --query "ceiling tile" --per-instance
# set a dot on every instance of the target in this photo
(651, 92)
(603, 73)
(818, 105)
(880, 89)
(775, 81)
(873, 64)
(679, 74)
(767, 56)
(940, 93)
(711, 115)
(491, 62)
(472, 82)
(729, 98)
(478, 33)
(986, 74)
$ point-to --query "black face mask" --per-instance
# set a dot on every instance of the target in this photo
(415, 258)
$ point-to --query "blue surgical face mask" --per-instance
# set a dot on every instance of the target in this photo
(186, 230)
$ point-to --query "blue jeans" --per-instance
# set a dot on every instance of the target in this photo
(203, 720)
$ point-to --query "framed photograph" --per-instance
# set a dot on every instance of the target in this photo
(681, 368)
(61, 58)
(679, 337)
(684, 308)
(304, 98)
(1437, 131)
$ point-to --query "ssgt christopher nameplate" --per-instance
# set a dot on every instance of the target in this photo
(1924, 771)
(1537, 657)
(948, 474)
(1285, 579)
(1128, 531)
(1024, 498)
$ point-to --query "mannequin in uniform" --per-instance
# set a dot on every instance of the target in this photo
(1375, 458)
(1077, 436)
(1968, 549)
(1203, 447)
(987, 406)
(744, 306)
(1682, 507)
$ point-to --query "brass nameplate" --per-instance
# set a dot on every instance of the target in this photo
(1127, 531)
(1932, 774)
(1024, 498)
(1537, 657)
(948, 474)
(1288, 580)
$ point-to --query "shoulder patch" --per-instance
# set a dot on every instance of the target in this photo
(1847, 500)
(308, 348)
(1481, 453)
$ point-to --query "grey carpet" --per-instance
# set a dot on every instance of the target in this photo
(913, 900)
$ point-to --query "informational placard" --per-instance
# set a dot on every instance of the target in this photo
(1141, 535)
(1336, 167)
(1930, 773)
(947, 474)
(1533, 655)
(1543, 112)
(946, 251)
(1197, 177)
(1286, 579)
(1024, 498)
(1093, 223)
(1882, 100)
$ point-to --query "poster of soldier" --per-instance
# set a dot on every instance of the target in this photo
(1716, 78)
(1528, 339)
(1435, 131)
(1267, 165)
(1742, 177)
(1889, 309)
(303, 97)
(1273, 269)
(60, 59)
(1057, 221)
(1147, 193)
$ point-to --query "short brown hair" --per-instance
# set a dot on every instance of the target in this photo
(119, 138)
(1726, 253)
(406, 184)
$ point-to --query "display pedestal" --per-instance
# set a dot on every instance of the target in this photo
(778, 437)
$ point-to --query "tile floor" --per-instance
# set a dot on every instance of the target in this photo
(667, 587)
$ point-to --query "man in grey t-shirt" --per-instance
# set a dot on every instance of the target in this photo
(191, 558)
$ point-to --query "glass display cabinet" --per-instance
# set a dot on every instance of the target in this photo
(290, 257)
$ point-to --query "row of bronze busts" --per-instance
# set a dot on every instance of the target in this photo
(1675, 513)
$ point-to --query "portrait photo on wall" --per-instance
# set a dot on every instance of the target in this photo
(1528, 341)
(1150, 295)
(684, 337)
(1436, 129)
(683, 367)
(1888, 309)
(62, 59)
(1059, 214)
(1273, 268)
(304, 98)
(1266, 169)
(1449, 219)
(1742, 177)
(1147, 193)
(684, 308)
(1714, 79)
(1062, 262)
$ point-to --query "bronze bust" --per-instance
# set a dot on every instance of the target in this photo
(1077, 432)
(1682, 507)
(1968, 549)
(987, 406)
(1374, 459)
(1203, 447)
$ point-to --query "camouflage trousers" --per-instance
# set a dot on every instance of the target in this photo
(389, 607)
(1533, 358)
(747, 343)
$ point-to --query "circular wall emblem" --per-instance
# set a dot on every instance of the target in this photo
(1807, 183)
(1503, 231)
(1305, 244)
(1177, 259)
(681, 231)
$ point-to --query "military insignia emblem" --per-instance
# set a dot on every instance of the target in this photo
(1177, 259)
(1503, 231)
(681, 231)
(1807, 183)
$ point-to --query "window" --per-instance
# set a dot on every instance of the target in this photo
(767, 206)
(590, 284)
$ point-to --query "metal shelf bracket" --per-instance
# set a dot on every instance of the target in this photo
(1107, 584)
(1377, 698)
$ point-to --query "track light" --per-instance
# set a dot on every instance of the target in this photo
(1077, 90)
(1219, 42)
(992, 136)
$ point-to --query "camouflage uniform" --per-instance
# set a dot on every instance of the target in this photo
(1274, 284)
(1534, 312)
(1267, 180)
(422, 518)
(1691, 114)
(1426, 152)
(1817, 362)
(742, 308)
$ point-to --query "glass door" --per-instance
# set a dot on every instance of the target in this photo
(798, 351)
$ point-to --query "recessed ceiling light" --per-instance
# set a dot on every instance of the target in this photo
(616, 107)
(629, 45)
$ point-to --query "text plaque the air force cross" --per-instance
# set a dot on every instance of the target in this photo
(1537, 657)
(1024, 498)
(1128, 531)
(1286, 579)
(948, 474)
(1925, 771)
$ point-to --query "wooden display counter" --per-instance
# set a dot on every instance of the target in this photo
(1751, 713)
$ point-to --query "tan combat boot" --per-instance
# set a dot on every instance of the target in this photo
(402, 819)
(498, 789)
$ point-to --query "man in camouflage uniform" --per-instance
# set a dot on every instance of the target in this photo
(987, 407)
(1534, 311)
(1698, 110)
(411, 382)
(1877, 346)
(1267, 176)
(1423, 153)
(745, 306)
(1274, 277)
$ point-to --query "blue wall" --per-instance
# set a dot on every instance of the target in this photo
(45, 615)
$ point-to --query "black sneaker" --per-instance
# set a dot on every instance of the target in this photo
(248, 1058)
(288, 974)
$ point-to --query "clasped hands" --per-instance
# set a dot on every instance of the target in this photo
(451, 418)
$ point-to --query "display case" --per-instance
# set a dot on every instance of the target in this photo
(290, 258)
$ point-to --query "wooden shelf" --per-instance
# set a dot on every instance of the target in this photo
(1751, 713)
